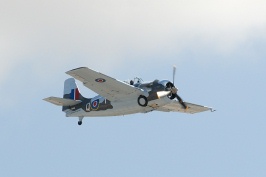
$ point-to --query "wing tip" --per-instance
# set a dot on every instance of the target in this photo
(212, 110)
(79, 68)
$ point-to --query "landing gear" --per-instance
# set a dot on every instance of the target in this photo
(80, 120)
(142, 101)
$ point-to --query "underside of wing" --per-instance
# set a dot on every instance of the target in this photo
(62, 101)
(105, 86)
(175, 106)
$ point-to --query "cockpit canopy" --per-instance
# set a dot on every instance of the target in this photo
(156, 85)
(136, 81)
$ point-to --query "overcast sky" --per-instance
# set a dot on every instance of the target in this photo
(217, 46)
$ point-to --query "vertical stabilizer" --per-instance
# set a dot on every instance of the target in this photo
(71, 90)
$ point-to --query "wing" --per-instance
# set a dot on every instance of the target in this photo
(105, 86)
(175, 106)
(62, 101)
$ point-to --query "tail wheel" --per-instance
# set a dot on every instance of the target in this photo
(142, 101)
(80, 120)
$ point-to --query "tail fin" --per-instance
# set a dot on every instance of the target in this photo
(71, 90)
(71, 95)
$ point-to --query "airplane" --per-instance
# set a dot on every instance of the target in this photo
(118, 98)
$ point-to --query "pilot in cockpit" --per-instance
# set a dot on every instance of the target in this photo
(136, 82)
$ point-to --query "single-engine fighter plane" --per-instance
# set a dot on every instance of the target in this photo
(119, 98)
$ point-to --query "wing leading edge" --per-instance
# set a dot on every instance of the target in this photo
(104, 85)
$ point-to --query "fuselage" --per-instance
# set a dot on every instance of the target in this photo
(98, 106)
(116, 108)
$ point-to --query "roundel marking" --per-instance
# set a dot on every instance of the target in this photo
(100, 80)
(95, 104)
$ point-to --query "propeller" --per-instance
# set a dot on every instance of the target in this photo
(174, 90)
(174, 68)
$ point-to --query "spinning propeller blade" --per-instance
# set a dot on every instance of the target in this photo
(174, 68)
(181, 101)
(174, 91)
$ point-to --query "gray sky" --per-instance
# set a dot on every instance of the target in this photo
(217, 46)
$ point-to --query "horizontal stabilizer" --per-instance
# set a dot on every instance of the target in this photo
(62, 101)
